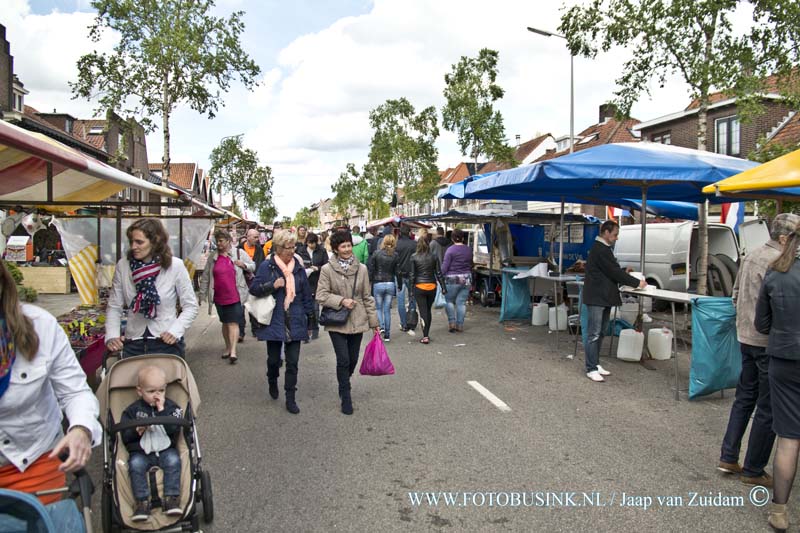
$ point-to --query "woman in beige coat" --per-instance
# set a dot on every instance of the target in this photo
(338, 287)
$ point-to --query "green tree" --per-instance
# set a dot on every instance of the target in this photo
(237, 170)
(403, 151)
(170, 52)
(360, 191)
(693, 38)
(306, 217)
(470, 91)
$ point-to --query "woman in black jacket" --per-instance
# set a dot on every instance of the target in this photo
(382, 267)
(425, 271)
(776, 315)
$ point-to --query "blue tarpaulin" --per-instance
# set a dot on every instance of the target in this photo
(716, 355)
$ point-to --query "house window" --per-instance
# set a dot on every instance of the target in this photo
(727, 136)
(68, 125)
(96, 130)
(662, 138)
(18, 101)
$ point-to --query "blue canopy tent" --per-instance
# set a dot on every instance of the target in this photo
(608, 173)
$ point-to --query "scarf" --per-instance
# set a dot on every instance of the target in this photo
(345, 263)
(7, 355)
(288, 274)
(147, 299)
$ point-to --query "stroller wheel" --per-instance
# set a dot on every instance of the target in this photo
(207, 497)
(107, 512)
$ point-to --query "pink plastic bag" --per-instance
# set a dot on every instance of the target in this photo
(376, 361)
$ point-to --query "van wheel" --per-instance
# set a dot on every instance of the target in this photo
(729, 263)
(720, 281)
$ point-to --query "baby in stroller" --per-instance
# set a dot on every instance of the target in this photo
(153, 445)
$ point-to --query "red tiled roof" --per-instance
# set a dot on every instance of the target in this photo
(181, 174)
(32, 114)
(609, 132)
(789, 134)
(523, 150)
(460, 172)
(771, 86)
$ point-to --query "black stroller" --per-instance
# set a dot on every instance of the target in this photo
(116, 392)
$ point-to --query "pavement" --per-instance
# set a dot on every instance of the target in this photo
(567, 455)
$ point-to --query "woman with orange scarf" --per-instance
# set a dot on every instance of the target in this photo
(284, 277)
(39, 377)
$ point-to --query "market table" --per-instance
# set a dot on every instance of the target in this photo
(672, 297)
(557, 281)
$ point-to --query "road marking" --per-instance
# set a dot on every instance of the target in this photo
(486, 393)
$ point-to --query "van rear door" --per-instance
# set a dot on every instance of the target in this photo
(679, 260)
(752, 234)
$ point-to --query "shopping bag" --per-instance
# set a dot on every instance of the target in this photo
(260, 308)
(376, 361)
(412, 319)
(440, 300)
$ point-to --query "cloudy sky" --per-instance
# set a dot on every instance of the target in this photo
(326, 64)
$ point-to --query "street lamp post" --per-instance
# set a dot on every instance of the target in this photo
(571, 135)
(571, 85)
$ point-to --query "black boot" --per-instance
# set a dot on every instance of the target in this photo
(273, 389)
(291, 406)
(347, 402)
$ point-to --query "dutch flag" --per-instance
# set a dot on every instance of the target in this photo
(733, 215)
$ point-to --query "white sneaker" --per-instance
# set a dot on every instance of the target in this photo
(594, 375)
(411, 332)
(602, 371)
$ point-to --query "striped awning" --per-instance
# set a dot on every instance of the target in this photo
(77, 177)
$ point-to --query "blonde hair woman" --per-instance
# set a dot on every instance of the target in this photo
(382, 267)
(284, 277)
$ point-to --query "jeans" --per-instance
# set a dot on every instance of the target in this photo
(752, 393)
(425, 299)
(140, 463)
(402, 292)
(596, 327)
(347, 348)
(456, 303)
(384, 293)
(291, 352)
(150, 345)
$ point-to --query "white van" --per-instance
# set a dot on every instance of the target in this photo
(672, 253)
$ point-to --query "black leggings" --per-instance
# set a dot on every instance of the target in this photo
(347, 347)
(424, 304)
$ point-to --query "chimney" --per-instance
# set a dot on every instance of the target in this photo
(518, 138)
(607, 111)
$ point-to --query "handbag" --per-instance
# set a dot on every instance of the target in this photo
(260, 308)
(337, 317)
(440, 300)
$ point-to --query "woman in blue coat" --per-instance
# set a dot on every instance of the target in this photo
(284, 277)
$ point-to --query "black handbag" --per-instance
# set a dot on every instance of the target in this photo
(337, 317)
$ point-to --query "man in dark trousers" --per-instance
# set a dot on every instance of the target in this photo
(253, 248)
(405, 249)
(752, 391)
(601, 292)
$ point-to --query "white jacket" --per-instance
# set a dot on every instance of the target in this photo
(173, 286)
(30, 409)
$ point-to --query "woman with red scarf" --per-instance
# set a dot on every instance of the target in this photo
(150, 282)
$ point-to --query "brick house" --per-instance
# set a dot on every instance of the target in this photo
(725, 133)
(188, 177)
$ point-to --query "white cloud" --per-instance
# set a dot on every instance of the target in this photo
(309, 117)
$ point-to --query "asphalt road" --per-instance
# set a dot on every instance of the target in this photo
(570, 455)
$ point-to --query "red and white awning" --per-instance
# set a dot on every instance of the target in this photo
(77, 177)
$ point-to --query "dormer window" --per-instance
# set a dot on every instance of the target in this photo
(18, 105)
(96, 130)
(68, 125)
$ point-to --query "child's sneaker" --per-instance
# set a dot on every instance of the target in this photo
(172, 505)
(141, 511)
